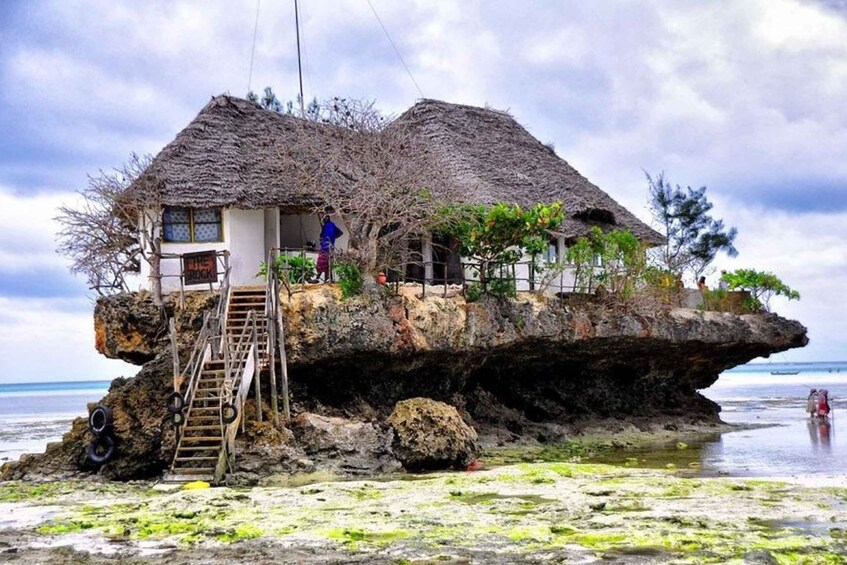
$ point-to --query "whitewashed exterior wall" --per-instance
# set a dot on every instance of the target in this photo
(247, 235)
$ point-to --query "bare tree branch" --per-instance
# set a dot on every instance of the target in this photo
(379, 177)
(114, 228)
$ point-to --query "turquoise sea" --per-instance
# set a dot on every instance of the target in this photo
(33, 414)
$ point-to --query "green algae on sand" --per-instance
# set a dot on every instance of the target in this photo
(550, 508)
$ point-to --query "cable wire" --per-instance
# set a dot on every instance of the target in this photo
(253, 50)
(399, 56)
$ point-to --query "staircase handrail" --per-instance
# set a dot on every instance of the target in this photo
(271, 305)
(238, 373)
(199, 353)
(213, 326)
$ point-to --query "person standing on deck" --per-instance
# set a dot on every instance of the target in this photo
(329, 233)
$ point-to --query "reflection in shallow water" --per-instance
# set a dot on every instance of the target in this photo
(820, 432)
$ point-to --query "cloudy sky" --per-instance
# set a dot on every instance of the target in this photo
(746, 97)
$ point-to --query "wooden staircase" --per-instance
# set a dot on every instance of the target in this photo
(206, 442)
(241, 301)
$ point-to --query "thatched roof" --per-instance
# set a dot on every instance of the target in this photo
(491, 155)
(229, 156)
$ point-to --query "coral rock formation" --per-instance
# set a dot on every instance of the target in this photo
(431, 435)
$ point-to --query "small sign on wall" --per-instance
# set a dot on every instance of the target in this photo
(200, 268)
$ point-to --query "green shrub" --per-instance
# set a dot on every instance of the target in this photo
(761, 285)
(502, 287)
(296, 268)
(473, 292)
(350, 279)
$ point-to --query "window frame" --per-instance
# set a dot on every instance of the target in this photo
(191, 224)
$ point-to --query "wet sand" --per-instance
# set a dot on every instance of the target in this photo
(525, 512)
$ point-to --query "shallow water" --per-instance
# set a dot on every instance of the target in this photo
(792, 443)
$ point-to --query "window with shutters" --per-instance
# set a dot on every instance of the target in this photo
(192, 225)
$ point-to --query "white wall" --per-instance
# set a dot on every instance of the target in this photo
(246, 237)
(271, 228)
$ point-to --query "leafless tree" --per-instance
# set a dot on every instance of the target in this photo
(114, 228)
(374, 173)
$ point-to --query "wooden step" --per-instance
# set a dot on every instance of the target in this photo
(174, 478)
(195, 470)
(206, 399)
(197, 448)
(203, 417)
(183, 459)
(200, 439)
(199, 428)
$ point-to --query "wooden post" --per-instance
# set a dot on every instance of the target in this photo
(271, 333)
(175, 351)
(286, 410)
(257, 373)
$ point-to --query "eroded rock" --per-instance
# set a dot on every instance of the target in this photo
(345, 446)
(431, 435)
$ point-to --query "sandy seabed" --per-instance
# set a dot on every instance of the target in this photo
(525, 512)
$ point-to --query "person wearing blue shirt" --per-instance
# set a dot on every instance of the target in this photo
(329, 233)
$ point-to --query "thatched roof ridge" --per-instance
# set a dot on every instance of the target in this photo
(229, 155)
(490, 154)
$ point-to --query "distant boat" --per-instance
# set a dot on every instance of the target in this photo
(785, 372)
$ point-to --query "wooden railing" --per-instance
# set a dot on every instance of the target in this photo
(276, 336)
(208, 345)
(241, 364)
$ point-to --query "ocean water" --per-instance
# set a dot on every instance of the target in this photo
(34, 414)
(795, 444)
(786, 442)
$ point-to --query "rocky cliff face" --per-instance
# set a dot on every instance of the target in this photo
(539, 358)
(529, 367)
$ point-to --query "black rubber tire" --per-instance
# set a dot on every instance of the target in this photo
(100, 420)
(175, 403)
(101, 456)
(229, 413)
(177, 419)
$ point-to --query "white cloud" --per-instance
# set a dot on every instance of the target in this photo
(49, 340)
(745, 97)
(28, 239)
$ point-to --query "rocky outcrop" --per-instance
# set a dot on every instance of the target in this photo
(526, 368)
(144, 438)
(343, 446)
(132, 328)
(525, 359)
(431, 435)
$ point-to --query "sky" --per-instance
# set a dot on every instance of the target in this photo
(746, 98)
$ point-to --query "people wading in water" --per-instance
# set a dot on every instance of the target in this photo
(824, 407)
(812, 403)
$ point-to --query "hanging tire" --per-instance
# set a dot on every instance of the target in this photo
(101, 449)
(100, 420)
(177, 419)
(175, 403)
(229, 413)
